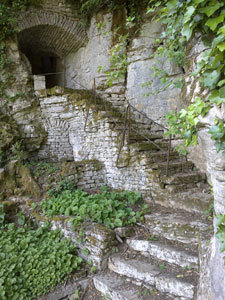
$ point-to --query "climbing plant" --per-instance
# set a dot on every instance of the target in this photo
(88, 7)
(183, 20)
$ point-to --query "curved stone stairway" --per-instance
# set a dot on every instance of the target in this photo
(160, 261)
(160, 264)
(163, 262)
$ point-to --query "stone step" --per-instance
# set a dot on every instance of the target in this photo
(148, 146)
(174, 167)
(192, 200)
(177, 226)
(183, 178)
(151, 275)
(163, 251)
(116, 287)
(159, 156)
(141, 137)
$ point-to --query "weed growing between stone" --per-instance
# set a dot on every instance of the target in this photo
(109, 208)
(33, 260)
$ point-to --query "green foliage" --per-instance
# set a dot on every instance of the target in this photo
(33, 261)
(2, 214)
(220, 234)
(109, 208)
(218, 134)
(118, 60)
(64, 184)
(182, 20)
(88, 7)
(184, 123)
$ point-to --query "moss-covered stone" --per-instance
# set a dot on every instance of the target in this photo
(27, 182)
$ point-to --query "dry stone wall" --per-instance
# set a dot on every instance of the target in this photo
(69, 140)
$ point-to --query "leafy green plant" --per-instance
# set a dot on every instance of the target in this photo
(182, 20)
(76, 294)
(33, 261)
(2, 214)
(184, 123)
(109, 208)
(64, 184)
(218, 135)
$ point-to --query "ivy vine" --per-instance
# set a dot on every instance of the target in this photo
(183, 20)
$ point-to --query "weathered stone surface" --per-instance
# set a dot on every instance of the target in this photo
(17, 179)
(151, 275)
(117, 288)
(168, 253)
(212, 280)
(67, 289)
(176, 226)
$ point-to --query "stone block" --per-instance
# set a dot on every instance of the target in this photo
(39, 82)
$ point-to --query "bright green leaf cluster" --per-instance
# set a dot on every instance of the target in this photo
(184, 123)
(220, 234)
(109, 208)
(182, 20)
(33, 261)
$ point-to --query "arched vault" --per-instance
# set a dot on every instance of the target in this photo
(49, 32)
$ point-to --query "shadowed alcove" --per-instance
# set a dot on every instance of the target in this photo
(46, 40)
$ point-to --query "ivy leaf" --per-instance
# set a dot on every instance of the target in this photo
(217, 40)
(188, 14)
(221, 83)
(210, 78)
(221, 46)
(187, 31)
(214, 22)
(222, 30)
(215, 132)
(209, 10)
(215, 97)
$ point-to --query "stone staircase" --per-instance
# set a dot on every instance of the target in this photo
(163, 262)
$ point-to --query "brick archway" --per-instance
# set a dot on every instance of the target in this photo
(50, 32)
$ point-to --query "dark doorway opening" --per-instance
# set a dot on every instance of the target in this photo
(47, 64)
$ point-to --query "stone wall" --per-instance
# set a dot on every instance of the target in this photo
(23, 106)
(206, 158)
(151, 99)
(87, 174)
(55, 29)
(68, 139)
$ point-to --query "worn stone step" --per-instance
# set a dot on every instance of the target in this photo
(174, 167)
(179, 188)
(116, 287)
(151, 275)
(177, 226)
(183, 178)
(163, 251)
(159, 156)
(141, 137)
(192, 200)
(148, 146)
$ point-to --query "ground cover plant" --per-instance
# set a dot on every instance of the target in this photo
(33, 260)
(113, 209)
